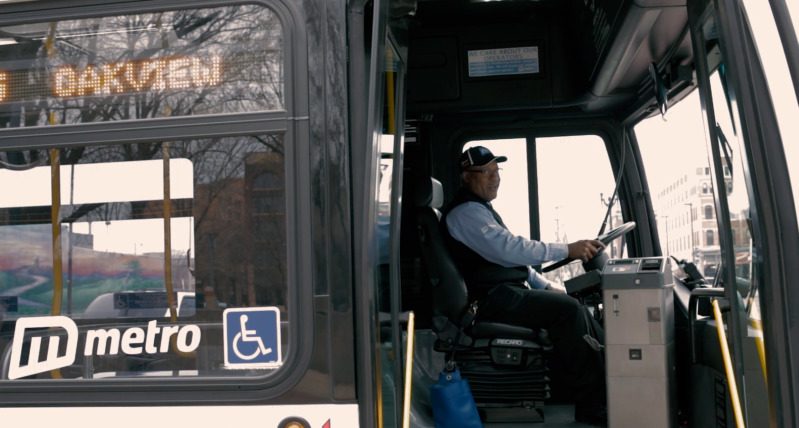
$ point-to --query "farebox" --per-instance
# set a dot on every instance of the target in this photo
(639, 339)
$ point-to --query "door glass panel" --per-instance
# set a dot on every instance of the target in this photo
(675, 158)
(389, 366)
(748, 348)
(737, 194)
(739, 271)
(775, 65)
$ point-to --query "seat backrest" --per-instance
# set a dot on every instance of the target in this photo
(450, 297)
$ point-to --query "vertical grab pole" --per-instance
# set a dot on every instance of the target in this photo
(170, 297)
(406, 406)
(725, 353)
(761, 348)
(55, 219)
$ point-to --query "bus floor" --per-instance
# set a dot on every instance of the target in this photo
(428, 364)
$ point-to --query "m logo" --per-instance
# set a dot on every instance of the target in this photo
(52, 360)
(154, 339)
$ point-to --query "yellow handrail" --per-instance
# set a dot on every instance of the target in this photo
(168, 285)
(55, 219)
(725, 353)
(406, 406)
(390, 91)
(170, 298)
(761, 348)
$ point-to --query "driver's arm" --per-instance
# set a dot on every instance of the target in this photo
(538, 281)
(473, 225)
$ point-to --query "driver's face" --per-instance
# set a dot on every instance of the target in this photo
(483, 181)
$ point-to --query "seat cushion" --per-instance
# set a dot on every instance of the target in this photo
(483, 329)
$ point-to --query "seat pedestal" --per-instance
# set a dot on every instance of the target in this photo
(508, 379)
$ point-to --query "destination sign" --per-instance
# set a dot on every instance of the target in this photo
(117, 78)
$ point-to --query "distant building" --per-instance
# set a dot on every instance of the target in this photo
(219, 221)
(240, 227)
(686, 218)
(264, 175)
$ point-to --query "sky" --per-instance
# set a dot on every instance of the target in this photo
(132, 181)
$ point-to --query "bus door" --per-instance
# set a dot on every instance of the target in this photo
(754, 208)
(389, 364)
(376, 162)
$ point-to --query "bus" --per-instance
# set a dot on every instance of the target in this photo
(217, 211)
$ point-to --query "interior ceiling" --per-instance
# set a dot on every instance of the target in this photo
(624, 37)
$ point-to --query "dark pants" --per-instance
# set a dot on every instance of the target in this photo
(567, 322)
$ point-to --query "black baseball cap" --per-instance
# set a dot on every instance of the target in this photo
(479, 156)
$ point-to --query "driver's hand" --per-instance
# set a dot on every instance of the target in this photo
(585, 249)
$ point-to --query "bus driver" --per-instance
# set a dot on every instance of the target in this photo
(495, 264)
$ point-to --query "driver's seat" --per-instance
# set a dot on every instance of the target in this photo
(503, 363)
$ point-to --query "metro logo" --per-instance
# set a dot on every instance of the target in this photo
(131, 341)
(135, 340)
(52, 361)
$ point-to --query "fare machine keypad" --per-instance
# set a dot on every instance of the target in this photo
(639, 338)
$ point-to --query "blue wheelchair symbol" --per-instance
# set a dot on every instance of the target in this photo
(252, 337)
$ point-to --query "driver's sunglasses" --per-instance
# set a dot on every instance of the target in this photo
(485, 171)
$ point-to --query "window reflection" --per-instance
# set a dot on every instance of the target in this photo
(227, 245)
(147, 65)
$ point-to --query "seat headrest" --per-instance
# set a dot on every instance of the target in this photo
(437, 199)
(427, 192)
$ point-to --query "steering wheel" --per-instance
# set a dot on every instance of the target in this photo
(606, 239)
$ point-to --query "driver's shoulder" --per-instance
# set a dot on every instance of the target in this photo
(469, 210)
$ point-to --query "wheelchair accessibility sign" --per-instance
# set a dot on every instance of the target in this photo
(252, 338)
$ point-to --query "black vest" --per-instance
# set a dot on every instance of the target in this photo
(480, 274)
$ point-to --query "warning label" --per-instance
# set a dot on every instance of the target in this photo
(505, 61)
